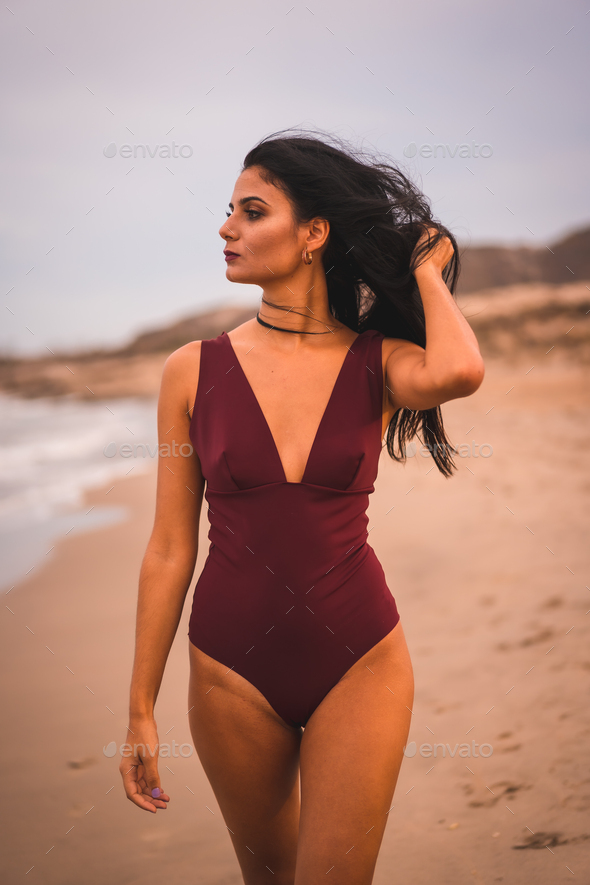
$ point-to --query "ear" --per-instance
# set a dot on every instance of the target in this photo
(318, 231)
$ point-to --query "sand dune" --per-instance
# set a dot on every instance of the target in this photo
(515, 321)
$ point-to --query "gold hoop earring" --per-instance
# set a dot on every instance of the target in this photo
(307, 256)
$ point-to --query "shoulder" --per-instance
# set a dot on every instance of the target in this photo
(180, 375)
(393, 354)
(183, 359)
(398, 346)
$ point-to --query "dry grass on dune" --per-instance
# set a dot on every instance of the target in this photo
(531, 318)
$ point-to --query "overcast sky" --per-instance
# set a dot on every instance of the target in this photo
(96, 248)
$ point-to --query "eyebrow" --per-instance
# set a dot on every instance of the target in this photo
(245, 200)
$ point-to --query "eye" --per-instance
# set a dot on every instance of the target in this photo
(251, 213)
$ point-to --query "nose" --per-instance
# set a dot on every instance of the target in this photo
(226, 232)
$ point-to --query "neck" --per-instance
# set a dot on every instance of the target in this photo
(300, 305)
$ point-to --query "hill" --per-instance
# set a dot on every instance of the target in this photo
(520, 301)
(486, 267)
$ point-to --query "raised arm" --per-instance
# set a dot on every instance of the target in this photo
(450, 366)
(166, 571)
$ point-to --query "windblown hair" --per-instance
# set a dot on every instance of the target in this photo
(376, 216)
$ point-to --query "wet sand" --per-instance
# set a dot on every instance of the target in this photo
(489, 570)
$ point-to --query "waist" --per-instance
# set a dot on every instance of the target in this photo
(292, 530)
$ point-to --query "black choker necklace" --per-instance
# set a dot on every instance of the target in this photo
(294, 331)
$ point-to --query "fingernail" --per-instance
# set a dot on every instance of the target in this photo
(155, 792)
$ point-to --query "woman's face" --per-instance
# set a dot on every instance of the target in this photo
(263, 241)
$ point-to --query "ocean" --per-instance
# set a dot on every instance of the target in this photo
(51, 452)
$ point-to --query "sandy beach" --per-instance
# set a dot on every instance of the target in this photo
(489, 570)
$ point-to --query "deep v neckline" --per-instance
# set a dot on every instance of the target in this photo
(349, 351)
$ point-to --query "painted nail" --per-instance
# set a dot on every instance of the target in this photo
(156, 792)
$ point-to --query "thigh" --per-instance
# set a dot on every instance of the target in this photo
(351, 753)
(251, 758)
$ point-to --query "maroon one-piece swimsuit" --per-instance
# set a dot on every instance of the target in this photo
(291, 593)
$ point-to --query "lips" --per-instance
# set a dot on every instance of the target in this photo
(229, 256)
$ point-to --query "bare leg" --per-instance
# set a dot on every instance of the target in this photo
(251, 757)
(351, 753)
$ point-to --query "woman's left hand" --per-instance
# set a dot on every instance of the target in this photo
(438, 257)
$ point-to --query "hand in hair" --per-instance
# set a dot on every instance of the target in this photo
(439, 255)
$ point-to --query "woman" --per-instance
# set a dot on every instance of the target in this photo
(301, 684)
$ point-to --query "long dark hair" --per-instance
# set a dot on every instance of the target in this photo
(376, 217)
